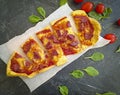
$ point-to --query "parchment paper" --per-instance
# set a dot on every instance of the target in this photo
(14, 44)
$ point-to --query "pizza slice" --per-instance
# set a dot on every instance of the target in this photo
(88, 28)
(37, 55)
(51, 44)
(19, 66)
(65, 36)
(33, 51)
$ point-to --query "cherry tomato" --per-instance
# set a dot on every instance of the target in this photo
(118, 21)
(87, 6)
(100, 8)
(111, 37)
(78, 1)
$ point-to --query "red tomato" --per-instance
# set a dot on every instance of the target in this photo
(87, 6)
(111, 37)
(118, 21)
(100, 8)
(78, 1)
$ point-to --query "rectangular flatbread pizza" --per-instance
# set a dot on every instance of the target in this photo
(57, 42)
(88, 29)
(65, 36)
(52, 46)
(33, 51)
(20, 66)
(37, 55)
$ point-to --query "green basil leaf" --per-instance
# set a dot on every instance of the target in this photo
(62, 2)
(91, 71)
(95, 15)
(97, 56)
(77, 74)
(118, 50)
(107, 93)
(41, 11)
(63, 90)
(34, 18)
(107, 12)
(98, 16)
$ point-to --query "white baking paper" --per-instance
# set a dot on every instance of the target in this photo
(14, 45)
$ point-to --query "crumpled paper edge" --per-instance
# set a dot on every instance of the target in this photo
(7, 49)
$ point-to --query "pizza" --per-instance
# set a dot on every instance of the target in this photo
(33, 51)
(52, 46)
(66, 36)
(88, 28)
(19, 66)
(37, 55)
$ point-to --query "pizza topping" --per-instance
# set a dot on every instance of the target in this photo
(55, 40)
(68, 24)
(41, 66)
(54, 53)
(50, 37)
(36, 55)
(70, 36)
(58, 33)
(50, 63)
(49, 45)
(27, 64)
(34, 67)
(85, 26)
(62, 39)
(45, 64)
(74, 43)
(88, 36)
(28, 45)
(15, 66)
(64, 34)
(68, 51)
(17, 55)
